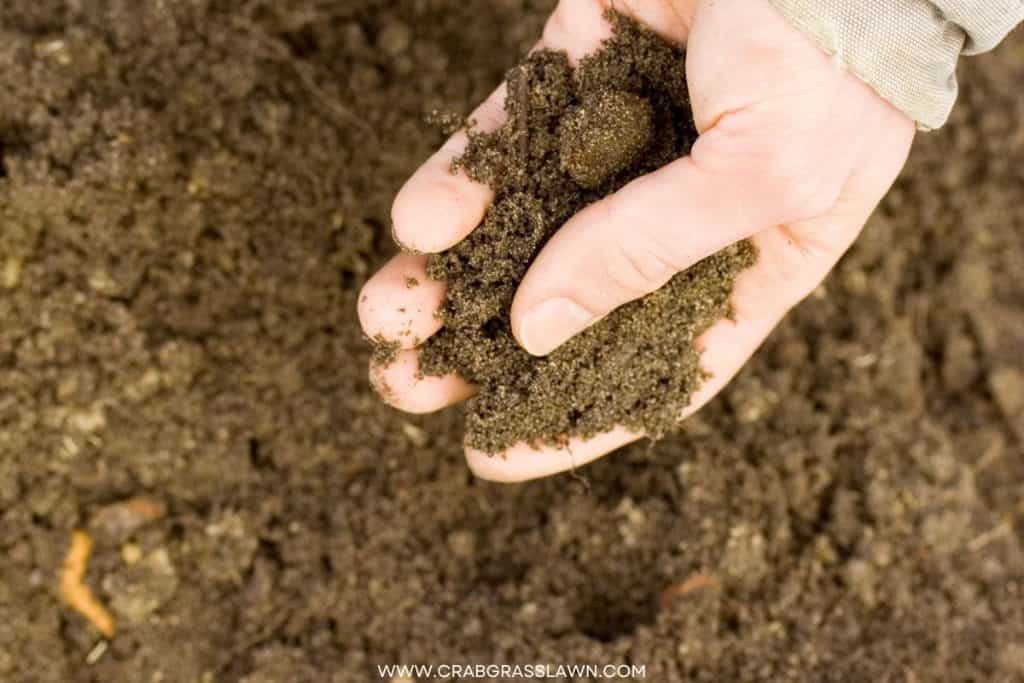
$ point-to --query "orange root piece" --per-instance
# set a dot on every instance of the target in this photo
(694, 584)
(75, 593)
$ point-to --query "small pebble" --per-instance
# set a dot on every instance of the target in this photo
(395, 38)
(11, 274)
(131, 553)
(1007, 386)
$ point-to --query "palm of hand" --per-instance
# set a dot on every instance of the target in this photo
(794, 153)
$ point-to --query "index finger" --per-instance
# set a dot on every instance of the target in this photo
(437, 208)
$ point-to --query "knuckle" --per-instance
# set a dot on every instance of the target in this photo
(797, 198)
(800, 191)
(557, 25)
(568, 20)
(490, 115)
(636, 265)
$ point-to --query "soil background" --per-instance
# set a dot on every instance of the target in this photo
(191, 194)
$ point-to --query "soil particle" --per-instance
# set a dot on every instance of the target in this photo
(384, 350)
(1007, 385)
(572, 138)
(960, 365)
(395, 38)
(140, 589)
(10, 274)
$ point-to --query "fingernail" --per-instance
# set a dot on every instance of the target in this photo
(551, 324)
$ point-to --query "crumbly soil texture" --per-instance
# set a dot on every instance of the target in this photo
(192, 194)
(571, 138)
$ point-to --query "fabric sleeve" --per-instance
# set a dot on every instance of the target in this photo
(907, 50)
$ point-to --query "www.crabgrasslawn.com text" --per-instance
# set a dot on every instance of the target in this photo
(565, 672)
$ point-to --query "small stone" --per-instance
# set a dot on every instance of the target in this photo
(604, 135)
(96, 654)
(528, 613)
(57, 50)
(882, 553)
(862, 578)
(88, 421)
(632, 513)
(144, 588)
(145, 386)
(1007, 385)
(131, 553)
(11, 274)
(66, 388)
(462, 544)
(69, 447)
(395, 38)
(418, 437)
(101, 283)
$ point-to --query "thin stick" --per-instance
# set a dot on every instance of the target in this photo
(523, 122)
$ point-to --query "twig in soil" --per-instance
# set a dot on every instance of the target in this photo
(75, 593)
(523, 120)
(96, 654)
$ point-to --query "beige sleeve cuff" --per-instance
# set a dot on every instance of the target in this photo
(907, 50)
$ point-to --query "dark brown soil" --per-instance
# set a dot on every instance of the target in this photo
(571, 138)
(191, 195)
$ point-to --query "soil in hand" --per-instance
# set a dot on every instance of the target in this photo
(573, 137)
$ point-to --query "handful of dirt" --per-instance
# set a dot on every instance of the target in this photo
(572, 137)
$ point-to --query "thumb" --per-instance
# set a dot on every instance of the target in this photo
(631, 243)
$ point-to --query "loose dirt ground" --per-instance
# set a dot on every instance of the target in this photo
(191, 195)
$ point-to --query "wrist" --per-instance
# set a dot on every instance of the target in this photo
(906, 50)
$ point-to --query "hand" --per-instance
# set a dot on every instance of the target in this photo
(793, 152)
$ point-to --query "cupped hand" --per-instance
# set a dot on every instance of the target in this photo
(793, 153)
